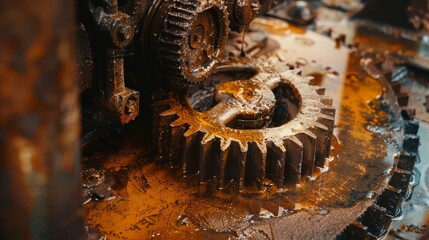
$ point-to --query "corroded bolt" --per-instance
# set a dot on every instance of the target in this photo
(131, 107)
(125, 32)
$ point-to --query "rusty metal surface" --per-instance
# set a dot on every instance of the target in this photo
(370, 128)
(186, 38)
(166, 206)
(125, 42)
(109, 31)
(371, 165)
(240, 137)
(39, 122)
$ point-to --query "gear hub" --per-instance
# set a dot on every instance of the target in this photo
(269, 128)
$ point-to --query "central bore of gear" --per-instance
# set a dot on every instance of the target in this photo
(250, 103)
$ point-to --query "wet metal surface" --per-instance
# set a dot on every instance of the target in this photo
(187, 38)
(361, 158)
(96, 186)
(413, 223)
(282, 151)
(105, 31)
(202, 184)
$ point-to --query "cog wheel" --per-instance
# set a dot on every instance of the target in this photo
(190, 39)
(271, 127)
(376, 220)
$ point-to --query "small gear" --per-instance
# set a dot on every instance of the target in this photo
(190, 38)
(287, 123)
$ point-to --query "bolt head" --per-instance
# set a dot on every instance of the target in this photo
(126, 32)
(131, 107)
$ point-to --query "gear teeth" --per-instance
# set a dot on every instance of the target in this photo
(293, 162)
(225, 144)
(236, 161)
(406, 161)
(396, 87)
(223, 158)
(408, 113)
(326, 101)
(296, 71)
(170, 51)
(330, 111)
(328, 122)
(191, 131)
(177, 122)
(175, 25)
(242, 163)
(402, 99)
(207, 138)
(171, 43)
(411, 143)
(391, 200)
(275, 165)
(165, 137)
(308, 139)
(232, 163)
(176, 144)
(158, 107)
(308, 79)
(356, 230)
(208, 158)
(400, 180)
(321, 132)
(186, 5)
(180, 16)
(376, 220)
(255, 165)
(183, 10)
(168, 112)
(320, 91)
(411, 127)
(191, 152)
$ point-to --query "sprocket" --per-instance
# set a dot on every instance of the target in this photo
(294, 140)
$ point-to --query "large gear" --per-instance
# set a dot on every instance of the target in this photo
(285, 150)
(189, 38)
